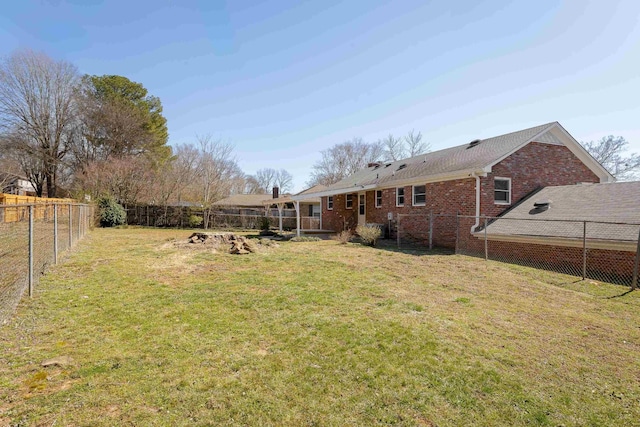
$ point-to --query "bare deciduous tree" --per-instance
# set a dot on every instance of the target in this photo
(344, 159)
(415, 144)
(393, 148)
(610, 152)
(37, 113)
(217, 172)
(284, 181)
(265, 179)
(127, 179)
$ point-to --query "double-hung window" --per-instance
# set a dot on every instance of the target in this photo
(502, 191)
(400, 196)
(330, 203)
(378, 198)
(348, 201)
(419, 194)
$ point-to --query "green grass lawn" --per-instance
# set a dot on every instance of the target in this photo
(315, 333)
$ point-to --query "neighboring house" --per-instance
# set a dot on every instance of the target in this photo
(307, 212)
(483, 177)
(15, 184)
(242, 204)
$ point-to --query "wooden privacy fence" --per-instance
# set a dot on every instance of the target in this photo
(43, 207)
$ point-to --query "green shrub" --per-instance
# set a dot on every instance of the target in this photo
(343, 237)
(264, 223)
(195, 221)
(111, 213)
(369, 234)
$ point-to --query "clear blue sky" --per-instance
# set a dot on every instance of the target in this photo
(283, 80)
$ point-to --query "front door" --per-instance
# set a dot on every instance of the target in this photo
(362, 209)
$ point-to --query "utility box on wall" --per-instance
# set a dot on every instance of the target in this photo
(390, 216)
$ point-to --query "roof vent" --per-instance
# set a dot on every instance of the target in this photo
(473, 143)
(387, 165)
(540, 206)
(402, 166)
(374, 165)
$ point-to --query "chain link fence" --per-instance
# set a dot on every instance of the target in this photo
(33, 237)
(603, 251)
(193, 217)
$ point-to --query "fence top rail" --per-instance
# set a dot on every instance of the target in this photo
(580, 221)
(25, 205)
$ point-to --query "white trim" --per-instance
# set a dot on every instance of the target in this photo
(508, 202)
(581, 153)
(394, 184)
(346, 199)
(362, 196)
(404, 198)
(569, 142)
(353, 189)
(413, 195)
(477, 221)
(375, 199)
(330, 208)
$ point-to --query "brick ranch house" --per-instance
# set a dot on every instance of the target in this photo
(483, 177)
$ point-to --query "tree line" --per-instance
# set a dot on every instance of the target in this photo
(346, 158)
(72, 134)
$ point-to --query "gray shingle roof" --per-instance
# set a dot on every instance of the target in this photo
(448, 161)
(605, 203)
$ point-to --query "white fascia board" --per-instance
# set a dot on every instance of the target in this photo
(354, 189)
(573, 146)
(395, 183)
(582, 154)
(432, 178)
(490, 166)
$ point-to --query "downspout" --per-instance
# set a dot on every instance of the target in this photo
(477, 223)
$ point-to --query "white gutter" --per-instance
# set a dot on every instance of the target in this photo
(354, 189)
(477, 223)
(390, 184)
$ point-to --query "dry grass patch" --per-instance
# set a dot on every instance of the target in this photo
(316, 333)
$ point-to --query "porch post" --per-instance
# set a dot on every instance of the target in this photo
(280, 206)
(297, 205)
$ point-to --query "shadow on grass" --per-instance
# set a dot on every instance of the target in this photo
(411, 248)
(620, 295)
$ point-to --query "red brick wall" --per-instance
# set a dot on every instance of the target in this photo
(535, 165)
(606, 265)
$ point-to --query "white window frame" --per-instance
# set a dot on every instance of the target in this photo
(398, 205)
(413, 195)
(329, 203)
(348, 197)
(499, 202)
(376, 198)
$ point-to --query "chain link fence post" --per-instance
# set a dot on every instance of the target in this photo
(457, 231)
(584, 250)
(55, 233)
(70, 225)
(486, 242)
(636, 265)
(398, 232)
(430, 230)
(30, 250)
